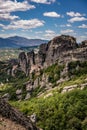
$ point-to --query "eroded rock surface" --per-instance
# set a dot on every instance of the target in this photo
(61, 49)
(9, 112)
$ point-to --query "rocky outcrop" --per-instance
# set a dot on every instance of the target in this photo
(9, 112)
(19, 94)
(61, 49)
(83, 44)
(23, 61)
(6, 96)
(70, 88)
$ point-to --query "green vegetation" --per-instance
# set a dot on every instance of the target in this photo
(77, 68)
(59, 112)
(77, 73)
(3, 71)
(54, 72)
(66, 111)
(8, 53)
(75, 80)
(9, 84)
(11, 53)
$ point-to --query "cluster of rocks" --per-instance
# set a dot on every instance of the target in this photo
(69, 88)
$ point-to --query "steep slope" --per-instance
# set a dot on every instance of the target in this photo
(67, 111)
(14, 115)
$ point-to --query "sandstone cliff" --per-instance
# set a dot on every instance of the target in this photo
(61, 49)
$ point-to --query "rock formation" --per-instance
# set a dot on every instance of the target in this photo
(9, 112)
(61, 49)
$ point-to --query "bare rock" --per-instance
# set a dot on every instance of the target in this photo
(33, 118)
(19, 91)
(29, 86)
(28, 96)
(6, 96)
(23, 61)
(9, 112)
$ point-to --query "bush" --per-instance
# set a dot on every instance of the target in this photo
(54, 72)
(60, 112)
(77, 68)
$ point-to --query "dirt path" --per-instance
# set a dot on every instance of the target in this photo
(6, 124)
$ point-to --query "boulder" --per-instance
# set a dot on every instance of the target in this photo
(18, 91)
(28, 95)
(33, 118)
(19, 94)
(84, 43)
(6, 96)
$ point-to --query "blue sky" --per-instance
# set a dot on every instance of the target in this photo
(43, 19)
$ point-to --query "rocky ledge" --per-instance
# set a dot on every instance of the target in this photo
(7, 111)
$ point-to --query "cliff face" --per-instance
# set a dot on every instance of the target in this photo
(61, 49)
(44, 69)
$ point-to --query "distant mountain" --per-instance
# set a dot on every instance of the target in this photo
(7, 43)
(17, 41)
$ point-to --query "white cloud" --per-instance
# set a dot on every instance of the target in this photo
(77, 19)
(3, 35)
(81, 38)
(43, 1)
(51, 14)
(66, 25)
(12, 6)
(49, 34)
(1, 25)
(7, 16)
(73, 14)
(83, 26)
(23, 24)
(39, 32)
(67, 31)
(8, 6)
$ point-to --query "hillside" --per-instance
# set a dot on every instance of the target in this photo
(57, 111)
(16, 42)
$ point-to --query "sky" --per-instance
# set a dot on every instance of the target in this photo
(43, 19)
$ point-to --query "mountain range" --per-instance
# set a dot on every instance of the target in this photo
(17, 41)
